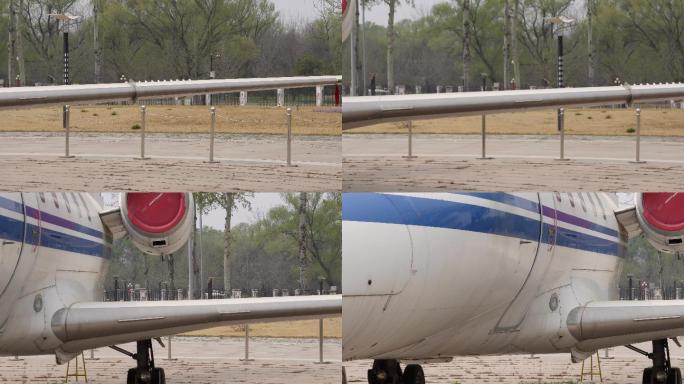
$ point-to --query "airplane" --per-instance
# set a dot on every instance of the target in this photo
(430, 276)
(54, 253)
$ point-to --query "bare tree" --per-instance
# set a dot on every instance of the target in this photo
(465, 5)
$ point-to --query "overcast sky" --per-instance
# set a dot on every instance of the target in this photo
(305, 10)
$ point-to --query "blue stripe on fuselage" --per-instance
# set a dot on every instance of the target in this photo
(410, 210)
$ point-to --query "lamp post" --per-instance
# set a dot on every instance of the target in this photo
(558, 23)
(66, 19)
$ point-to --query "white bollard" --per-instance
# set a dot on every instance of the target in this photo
(484, 138)
(561, 121)
(319, 95)
(66, 114)
(638, 137)
(143, 113)
(410, 141)
(289, 137)
(211, 134)
(247, 359)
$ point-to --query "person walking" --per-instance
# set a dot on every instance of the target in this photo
(372, 85)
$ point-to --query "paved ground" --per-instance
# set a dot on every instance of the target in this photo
(199, 360)
(624, 366)
(178, 162)
(375, 162)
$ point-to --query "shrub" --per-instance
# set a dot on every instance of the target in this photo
(631, 130)
(136, 126)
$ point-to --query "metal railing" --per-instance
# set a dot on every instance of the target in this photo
(368, 110)
(134, 91)
(150, 90)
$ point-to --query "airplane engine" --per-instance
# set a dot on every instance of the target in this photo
(661, 217)
(158, 223)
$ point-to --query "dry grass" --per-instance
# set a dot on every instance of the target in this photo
(608, 122)
(173, 119)
(332, 328)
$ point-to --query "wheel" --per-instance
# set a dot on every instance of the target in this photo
(646, 377)
(413, 374)
(385, 372)
(674, 376)
(158, 376)
(130, 379)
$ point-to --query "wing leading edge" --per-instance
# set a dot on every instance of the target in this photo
(97, 324)
(604, 324)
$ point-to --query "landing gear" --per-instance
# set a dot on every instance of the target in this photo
(661, 372)
(145, 372)
(389, 372)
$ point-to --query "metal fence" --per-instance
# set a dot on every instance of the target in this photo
(645, 290)
(368, 110)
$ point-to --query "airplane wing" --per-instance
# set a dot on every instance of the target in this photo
(90, 325)
(605, 324)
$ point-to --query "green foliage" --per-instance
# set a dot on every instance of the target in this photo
(637, 41)
(645, 263)
(169, 39)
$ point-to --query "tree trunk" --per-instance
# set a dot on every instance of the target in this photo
(97, 51)
(302, 239)
(590, 43)
(21, 70)
(507, 43)
(11, 42)
(196, 284)
(514, 44)
(357, 62)
(466, 43)
(228, 206)
(172, 277)
(390, 47)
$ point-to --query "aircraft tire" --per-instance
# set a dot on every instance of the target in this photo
(675, 376)
(130, 378)
(158, 376)
(385, 372)
(413, 374)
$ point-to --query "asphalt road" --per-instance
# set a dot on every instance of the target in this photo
(450, 162)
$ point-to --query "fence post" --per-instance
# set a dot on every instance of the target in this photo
(484, 138)
(561, 121)
(320, 341)
(289, 137)
(142, 133)
(67, 112)
(168, 348)
(247, 359)
(211, 134)
(410, 141)
(638, 137)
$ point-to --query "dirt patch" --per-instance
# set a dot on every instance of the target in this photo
(303, 328)
(173, 119)
(585, 121)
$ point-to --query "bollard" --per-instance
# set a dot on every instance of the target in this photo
(92, 355)
(16, 358)
(638, 137)
(320, 341)
(211, 135)
(410, 141)
(561, 122)
(142, 133)
(247, 359)
(168, 348)
(289, 137)
(484, 139)
(66, 113)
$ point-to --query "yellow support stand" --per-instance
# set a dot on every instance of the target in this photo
(77, 373)
(591, 373)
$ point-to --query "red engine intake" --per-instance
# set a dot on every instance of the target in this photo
(661, 216)
(158, 223)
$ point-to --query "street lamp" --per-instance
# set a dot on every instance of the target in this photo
(558, 23)
(66, 19)
(212, 73)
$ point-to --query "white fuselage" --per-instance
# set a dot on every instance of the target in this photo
(429, 276)
(53, 253)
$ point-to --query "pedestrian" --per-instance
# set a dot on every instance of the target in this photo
(372, 84)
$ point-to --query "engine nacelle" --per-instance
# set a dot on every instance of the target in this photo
(661, 217)
(158, 223)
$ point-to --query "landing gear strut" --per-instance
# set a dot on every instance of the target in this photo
(145, 372)
(661, 372)
(389, 372)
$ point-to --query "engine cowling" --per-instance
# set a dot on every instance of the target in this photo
(661, 217)
(158, 223)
